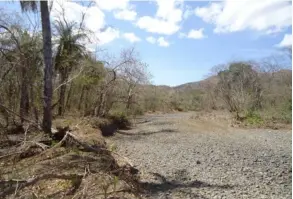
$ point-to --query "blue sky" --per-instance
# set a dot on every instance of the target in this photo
(182, 40)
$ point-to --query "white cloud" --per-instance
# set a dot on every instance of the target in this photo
(108, 35)
(169, 10)
(94, 17)
(151, 40)
(196, 34)
(128, 15)
(167, 18)
(268, 16)
(162, 42)
(193, 34)
(110, 5)
(94, 21)
(121, 8)
(159, 26)
(286, 42)
(131, 37)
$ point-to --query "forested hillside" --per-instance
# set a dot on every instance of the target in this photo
(235, 91)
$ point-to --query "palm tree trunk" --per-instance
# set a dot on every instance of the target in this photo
(61, 100)
(67, 104)
(47, 51)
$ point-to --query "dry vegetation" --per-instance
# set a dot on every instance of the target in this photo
(77, 166)
(104, 92)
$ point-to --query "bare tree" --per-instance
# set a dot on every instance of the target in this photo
(134, 74)
(113, 68)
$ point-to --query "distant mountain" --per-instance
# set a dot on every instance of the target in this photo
(199, 84)
(213, 80)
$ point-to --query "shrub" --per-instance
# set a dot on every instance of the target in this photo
(120, 119)
(253, 118)
(286, 112)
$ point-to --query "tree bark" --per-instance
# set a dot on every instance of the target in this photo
(62, 95)
(32, 102)
(81, 97)
(67, 104)
(47, 52)
(129, 98)
(101, 105)
(24, 94)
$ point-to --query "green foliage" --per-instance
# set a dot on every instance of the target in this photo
(115, 183)
(69, 50)
(253, 118)
(239, 87)
(76, 150)
(121, 119)
(286, 112)
(54, 142)
(113, 148)
(92, 74)
(136, 110)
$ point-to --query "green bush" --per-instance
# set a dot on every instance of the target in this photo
(120, 119)
(253, 118)
(286, 112)
(137, 110)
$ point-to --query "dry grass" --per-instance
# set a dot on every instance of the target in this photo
(69, 170)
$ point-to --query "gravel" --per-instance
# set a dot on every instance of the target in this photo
(180, 157)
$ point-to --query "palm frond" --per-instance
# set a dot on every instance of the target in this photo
(70, 49)
(29, 6)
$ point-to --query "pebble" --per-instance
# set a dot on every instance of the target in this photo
(250, 163)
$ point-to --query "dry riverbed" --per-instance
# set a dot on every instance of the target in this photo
(182, 156)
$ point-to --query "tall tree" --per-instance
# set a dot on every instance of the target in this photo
(47, 53)
(69, 52)
(240, 87)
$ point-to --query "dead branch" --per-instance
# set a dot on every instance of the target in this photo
(25, 133)
(25, 148)
(68, 81)
(10, 154)
(13, 36)
(25, 119)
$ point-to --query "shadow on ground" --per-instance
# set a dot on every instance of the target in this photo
(145, 133)
(166, 186)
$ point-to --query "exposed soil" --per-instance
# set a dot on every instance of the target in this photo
(183, 155)
(78, 166)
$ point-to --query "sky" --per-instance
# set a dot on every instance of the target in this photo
(182, 40)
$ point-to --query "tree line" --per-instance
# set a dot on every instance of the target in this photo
(48, 72)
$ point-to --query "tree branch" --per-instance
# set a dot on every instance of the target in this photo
(68, 80)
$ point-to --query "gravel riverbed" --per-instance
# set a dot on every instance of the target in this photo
(181, 157)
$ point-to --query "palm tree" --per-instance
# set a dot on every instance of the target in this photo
(47, 53)
(69, 52)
